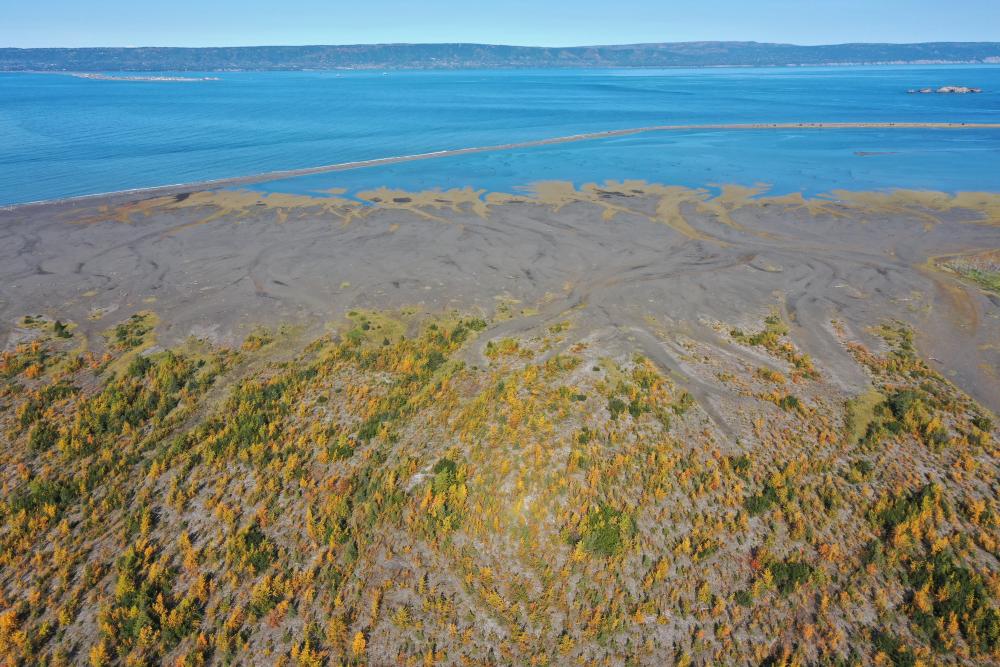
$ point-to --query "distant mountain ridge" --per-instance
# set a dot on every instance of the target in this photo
(469, 56)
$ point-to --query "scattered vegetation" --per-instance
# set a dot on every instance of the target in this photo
(774, 338)
(982, 269)
(132, 333)
(373, 500)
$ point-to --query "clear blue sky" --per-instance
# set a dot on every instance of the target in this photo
(27, 23)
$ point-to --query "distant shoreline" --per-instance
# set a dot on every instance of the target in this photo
(588, 136)
(583, 67)
(465, 55)
(95, 76)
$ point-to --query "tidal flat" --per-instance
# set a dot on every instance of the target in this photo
(619, 423)
(614, 255)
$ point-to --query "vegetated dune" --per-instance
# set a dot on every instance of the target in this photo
(625, 423)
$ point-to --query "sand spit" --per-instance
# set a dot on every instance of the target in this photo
(109, 77)
(589, 136)
(614, 257)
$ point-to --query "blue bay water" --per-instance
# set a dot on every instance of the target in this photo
(62, 136)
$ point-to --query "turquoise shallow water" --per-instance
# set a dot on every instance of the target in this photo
(811, 162)
(62, 136)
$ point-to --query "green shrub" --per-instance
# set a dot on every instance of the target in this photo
(894, 649)
(955, 591)
(41, 492)
(606, 531)
(444, 475)
(905, 507)
(788, 575)
(761, 502)
(434, 361)
(740, 464)
(790, 403)
(42, 436)
(636, 408)
(251, 547)
(983, 423)
(60, 330)
(131, 333)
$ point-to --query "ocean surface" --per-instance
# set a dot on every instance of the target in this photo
(63, 136)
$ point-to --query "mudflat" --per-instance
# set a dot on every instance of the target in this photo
(623, 258)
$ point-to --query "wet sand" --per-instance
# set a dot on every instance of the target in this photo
(656, 265)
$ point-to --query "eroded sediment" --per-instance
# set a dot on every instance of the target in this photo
(615, 255)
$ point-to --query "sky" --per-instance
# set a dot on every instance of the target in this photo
(27, 23)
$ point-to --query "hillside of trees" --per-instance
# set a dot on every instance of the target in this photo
(377, 499)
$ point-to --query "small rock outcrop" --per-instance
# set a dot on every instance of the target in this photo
(946, 90)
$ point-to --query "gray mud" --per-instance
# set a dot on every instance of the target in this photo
(220, 272)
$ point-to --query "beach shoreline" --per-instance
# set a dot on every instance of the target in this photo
(180, 188)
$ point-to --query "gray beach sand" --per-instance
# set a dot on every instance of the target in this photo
(652, 265)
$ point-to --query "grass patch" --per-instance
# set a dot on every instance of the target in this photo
(860, 414)
(607, 531)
